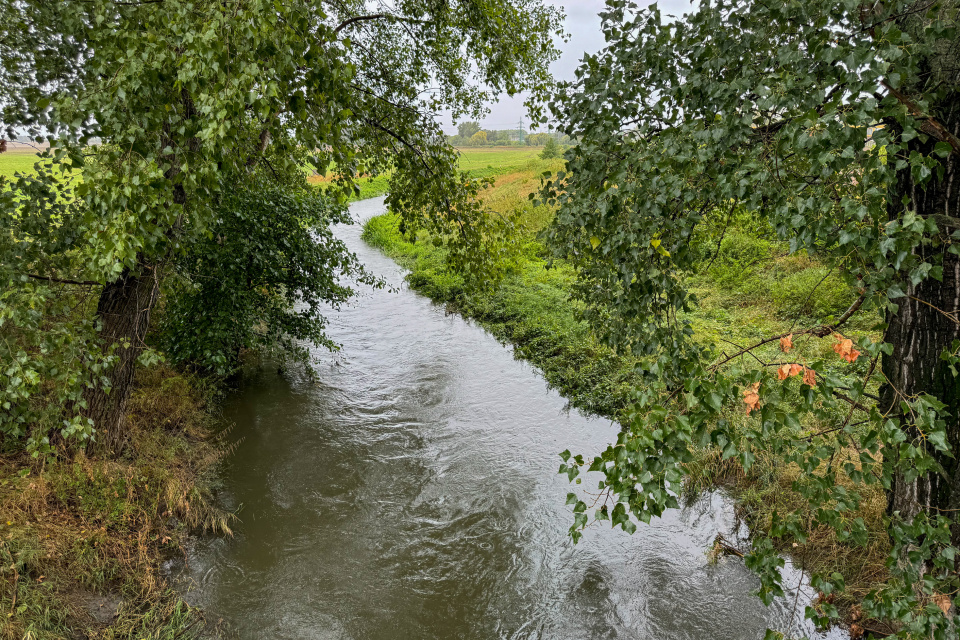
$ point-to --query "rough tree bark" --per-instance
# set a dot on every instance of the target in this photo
(124, 313)
(927, 323)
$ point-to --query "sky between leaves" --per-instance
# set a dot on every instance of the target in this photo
(583, 26)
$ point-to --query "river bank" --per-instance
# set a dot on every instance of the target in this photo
(753, 287)
(84, 542)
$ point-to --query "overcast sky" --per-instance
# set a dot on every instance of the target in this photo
(583, 25)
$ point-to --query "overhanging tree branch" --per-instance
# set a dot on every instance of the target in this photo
(82, 283)
(930, 125)
(375, 16)
(346, 23)
(820, 331)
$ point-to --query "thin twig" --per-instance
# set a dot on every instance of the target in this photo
(819, 331)
(82, 283)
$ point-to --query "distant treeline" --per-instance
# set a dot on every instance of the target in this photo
(469, 134)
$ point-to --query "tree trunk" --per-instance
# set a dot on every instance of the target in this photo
(124, 314)
(925, 325)
(919, 333)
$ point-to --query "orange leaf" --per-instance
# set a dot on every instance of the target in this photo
(786, 343)
(844, 348)
(787, 370)
(942, 601)
(751, 397)
(809, 377)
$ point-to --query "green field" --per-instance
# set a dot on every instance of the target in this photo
(13, 162)
(493, 161)
(477, 162)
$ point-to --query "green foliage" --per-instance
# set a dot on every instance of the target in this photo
(159, 112)
(467, 129)
(768, 108)
(48, 342)
(550, 150)
(261, 280)
(538, 139)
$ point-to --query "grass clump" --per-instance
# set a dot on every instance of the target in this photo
(82, 540)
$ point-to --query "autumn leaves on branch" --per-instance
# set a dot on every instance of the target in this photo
(843, 348)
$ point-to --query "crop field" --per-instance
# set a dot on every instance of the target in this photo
(17, 160)
(494, 161)
(477, 162)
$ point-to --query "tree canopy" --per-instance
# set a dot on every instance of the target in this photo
(836, 123)
(157, 112)
(467, 129)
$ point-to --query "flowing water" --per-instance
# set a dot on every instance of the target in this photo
(412, 492)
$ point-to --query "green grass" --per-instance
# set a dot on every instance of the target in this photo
(477, 162)
(76, 529)
(13, 162)
(494, 161)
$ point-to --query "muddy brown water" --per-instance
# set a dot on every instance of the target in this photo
(411, 491)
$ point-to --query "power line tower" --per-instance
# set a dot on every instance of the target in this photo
(521, 129)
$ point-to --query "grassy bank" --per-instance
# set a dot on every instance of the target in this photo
(83, 541)
(749, 288)
(530, 310)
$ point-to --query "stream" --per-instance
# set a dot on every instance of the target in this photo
(411, 491)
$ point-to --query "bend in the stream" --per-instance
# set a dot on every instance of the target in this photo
(411, 492)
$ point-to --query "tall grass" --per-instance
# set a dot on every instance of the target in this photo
(77, 532)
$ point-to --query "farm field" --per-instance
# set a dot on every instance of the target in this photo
(478, 162)
(17, 160)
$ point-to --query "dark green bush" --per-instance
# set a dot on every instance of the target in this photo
(260, 279)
